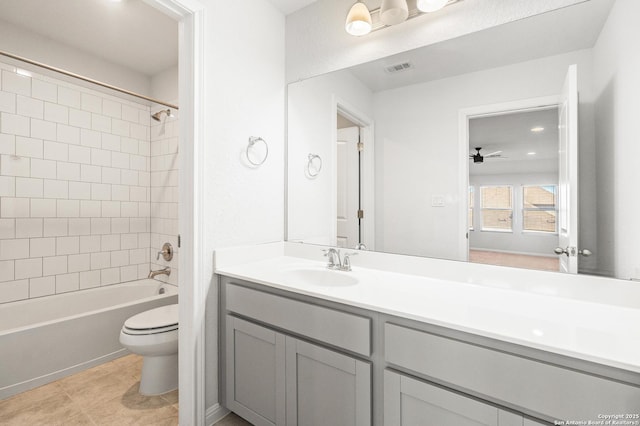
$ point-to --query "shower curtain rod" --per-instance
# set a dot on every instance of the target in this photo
(87, 79)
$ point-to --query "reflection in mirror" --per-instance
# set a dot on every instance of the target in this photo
(420, 192)
(513, 181)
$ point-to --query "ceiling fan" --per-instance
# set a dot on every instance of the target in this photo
(479, 158)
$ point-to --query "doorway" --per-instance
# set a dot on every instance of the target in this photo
(513, 188)
(349, 179)
(353, 179)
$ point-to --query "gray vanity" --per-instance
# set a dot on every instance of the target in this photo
(289, 358)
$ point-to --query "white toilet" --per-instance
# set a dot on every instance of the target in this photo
(154, 335)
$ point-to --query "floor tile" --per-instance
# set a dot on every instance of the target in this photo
(103, 395)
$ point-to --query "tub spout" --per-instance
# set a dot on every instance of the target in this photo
(164, 271)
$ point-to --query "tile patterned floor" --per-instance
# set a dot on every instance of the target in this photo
(103, 395)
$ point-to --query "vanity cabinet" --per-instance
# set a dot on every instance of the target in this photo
(293, 359)
(279, 378)
(539, 389)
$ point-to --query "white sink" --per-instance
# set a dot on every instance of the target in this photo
(320, 277)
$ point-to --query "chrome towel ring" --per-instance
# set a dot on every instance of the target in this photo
(253, 140)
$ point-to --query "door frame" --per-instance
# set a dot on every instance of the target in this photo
(367, 176)
(489, 110)
(192, 259)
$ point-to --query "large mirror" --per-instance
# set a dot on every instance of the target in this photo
(463, 149)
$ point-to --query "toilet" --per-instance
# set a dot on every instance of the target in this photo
(154, 335)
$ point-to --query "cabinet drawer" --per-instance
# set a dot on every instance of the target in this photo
(343, 330)
(544, 389)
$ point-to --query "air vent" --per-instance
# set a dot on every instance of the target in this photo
(398, 67)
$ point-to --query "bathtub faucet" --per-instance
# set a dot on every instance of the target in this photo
(164, 271)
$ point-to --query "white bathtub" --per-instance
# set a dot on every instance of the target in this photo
(44, 339)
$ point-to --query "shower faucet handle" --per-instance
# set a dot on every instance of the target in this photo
(166, 252)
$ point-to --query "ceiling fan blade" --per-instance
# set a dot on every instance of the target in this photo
(493, 154)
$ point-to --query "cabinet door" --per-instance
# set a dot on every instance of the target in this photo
(255, 369)
(529, 422)
(409, 402)
(325, 387)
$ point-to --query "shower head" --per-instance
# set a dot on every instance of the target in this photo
(158, 114)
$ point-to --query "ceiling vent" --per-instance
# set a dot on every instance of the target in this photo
(398, 67)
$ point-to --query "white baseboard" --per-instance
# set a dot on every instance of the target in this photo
(214, 414)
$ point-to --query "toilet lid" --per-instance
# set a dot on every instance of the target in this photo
(164, 317)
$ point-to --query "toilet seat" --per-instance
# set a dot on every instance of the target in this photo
(156, 330)
(155, 321)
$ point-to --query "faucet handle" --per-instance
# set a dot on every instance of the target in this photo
(346, 261)
(166, 252)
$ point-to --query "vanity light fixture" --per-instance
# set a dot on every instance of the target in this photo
(531, 153)
(393, 12)
(358, 20)
(428, 6)
(537, 129)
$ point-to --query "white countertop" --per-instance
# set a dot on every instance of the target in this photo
(604, 333)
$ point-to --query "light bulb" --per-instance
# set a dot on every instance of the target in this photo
(358, 20)
(431, 5)
(393, 12)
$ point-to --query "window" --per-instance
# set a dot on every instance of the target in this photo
(539, 208)
(496, 204)
(470, 215)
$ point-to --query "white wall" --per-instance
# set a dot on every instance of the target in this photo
(417, 148)
(317, 42)
(245, 96)
(312, 129)
(517, 241)
(617, 89)
(74, 187)
(164, 85)
(18, 41)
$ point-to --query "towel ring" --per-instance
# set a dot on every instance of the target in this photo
(252, 141)
(311, 165)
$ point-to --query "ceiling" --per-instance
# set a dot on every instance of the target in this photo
(511, 134)
(129, 33)
(289, 6)
(560, 31)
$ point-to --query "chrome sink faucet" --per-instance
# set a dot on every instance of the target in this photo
(335, 262)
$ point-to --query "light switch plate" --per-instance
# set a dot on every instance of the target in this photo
(437, 201)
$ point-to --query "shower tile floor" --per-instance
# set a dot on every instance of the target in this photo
(103, 395)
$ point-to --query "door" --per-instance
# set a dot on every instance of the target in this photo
(568, 174)
(411, 402)
(325, 387)
(348, 181)
(255, 368)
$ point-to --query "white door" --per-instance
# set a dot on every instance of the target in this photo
(568, 174)
(348, 187)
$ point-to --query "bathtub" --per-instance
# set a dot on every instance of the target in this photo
(44, 339)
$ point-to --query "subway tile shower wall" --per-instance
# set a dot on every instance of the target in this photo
(164, 191)
(78, 176)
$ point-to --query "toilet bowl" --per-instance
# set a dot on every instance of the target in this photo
(154, 335)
